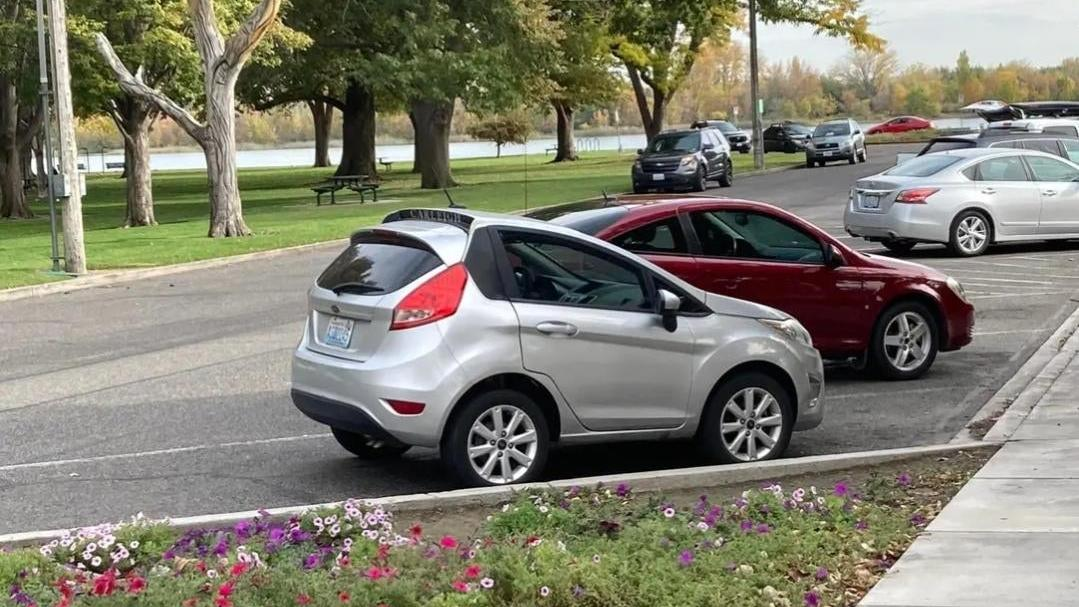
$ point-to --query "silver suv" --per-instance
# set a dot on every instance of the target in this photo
(492, 336)
(836, 140)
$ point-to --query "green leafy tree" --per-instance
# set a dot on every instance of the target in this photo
(154, 36)
(509, 128)
(919, 102)
(20, 115)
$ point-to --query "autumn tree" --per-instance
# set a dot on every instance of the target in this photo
(20, 115)
(868, 72)
(222, 58)
(503, 129)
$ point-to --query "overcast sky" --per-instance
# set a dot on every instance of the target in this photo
(935, 31)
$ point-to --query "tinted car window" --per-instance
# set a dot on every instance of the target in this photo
(724, 126)
(554, 270)
(676, 142)
(923, 166)
(589, 222)
(378, 264)
(659, 237)
(1048, 146)
(1007, 168)
(832, 129)
(1050, 169)
(1071, 149)
(750, 235)
(1063, 130)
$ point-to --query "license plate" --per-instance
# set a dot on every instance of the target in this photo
(338, 332)
(658, 177)
(870, 202)
(829, 153)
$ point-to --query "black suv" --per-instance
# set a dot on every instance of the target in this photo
(739, 140)
(683, 159)
(789, 137)
(1064, 146)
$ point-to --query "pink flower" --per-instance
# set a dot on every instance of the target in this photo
(460, 586)
(136, 585)
(448, 542)
(473, 571)
(822, 574)
(343, 597)
(303, 599)
(225, 589)
(903, 480)
(374, 573)
(841, 489)
(416, 531)
(533, 541)
(686, 558)
(238, 569)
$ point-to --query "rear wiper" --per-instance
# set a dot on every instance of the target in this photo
(356, 288)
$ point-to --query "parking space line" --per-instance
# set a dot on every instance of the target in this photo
(1015, 280)
(1016, 331)
(1002, 295)
(834, 396)
(960, 271)
(173, 451)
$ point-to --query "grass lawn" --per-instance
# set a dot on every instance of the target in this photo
(280, 209)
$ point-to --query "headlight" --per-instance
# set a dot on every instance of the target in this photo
(688, 162)
(791, 329)
(636, 165)
(957, 288)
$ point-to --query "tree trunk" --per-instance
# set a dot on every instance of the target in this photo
(140, 195)
(567, 147)
(226, 213)
(12, 196)
(357, 132)
(433, 120)
(322, 116)
(651, 119)
(416, 163)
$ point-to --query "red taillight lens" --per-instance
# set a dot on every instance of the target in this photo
(406, 407)
(916, 196)
(435, 299)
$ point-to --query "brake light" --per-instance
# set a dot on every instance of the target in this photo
(916, 196)
(406, 407)
(434, 300)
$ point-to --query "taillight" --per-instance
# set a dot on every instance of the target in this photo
(435, 299)
(916, 196)
(406, 407)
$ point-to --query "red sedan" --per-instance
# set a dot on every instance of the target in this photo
(901, 124)
(890, 314)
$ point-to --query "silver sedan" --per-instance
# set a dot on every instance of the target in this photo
(967, 199)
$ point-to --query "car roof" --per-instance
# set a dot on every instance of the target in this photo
(648, 206)
(984, 152)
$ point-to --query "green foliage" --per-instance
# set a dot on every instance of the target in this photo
(582, 72)
(919, 102)
(509, 128)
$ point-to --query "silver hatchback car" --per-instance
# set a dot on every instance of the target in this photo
(492, 336)
(968, 199)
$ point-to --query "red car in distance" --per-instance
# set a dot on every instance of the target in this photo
(902, 124)
(886, 313)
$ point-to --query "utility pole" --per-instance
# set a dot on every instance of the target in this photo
(74, 248)
(754, 91)
(46, 92)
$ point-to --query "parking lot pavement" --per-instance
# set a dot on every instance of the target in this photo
(170, 395)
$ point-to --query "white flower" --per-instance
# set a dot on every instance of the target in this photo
(669, 512)
(371, 534)
(703, 526)
(487, 583)
(347, 543)
(812, 489)
(335, 530)
(543, 509)
(544, 591)
(506, 508)
(329, 520)
(595, 558)
(561, 545)
(134, 544)
(91, 547)
(46, 551)
(54, 543)
(211, 573)
(96, 561)
(66, 542)
(798, 494)
(317, 521)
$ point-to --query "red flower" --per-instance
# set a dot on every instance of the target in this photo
(222, 601)
(448, 542)
(303, 599)
(105, 583)
(201, 566)
(473, 571)
(374, 573)
(136, 585)
(416, 531)
(238, 569)
(343, 596)
(383, 552)
(460, 586)
(533, 540)
(225, 589)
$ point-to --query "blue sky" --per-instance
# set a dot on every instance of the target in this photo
(935, 31)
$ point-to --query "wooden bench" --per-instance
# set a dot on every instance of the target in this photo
(386, 163)
(328, 187)
(362, 188)
(550, 149)
(115, 165)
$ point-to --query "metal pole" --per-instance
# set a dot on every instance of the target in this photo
(74, 246)
(43, 79)
(754, 92)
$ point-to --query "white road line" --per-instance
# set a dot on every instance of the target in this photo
(961, 271)
(833, 395)
(983, 333)
(173, 451)
(1022, 294)
(1014, 280)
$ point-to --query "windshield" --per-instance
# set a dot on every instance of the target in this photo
(724, 126)
(676, 142)
(923, 166)
(832, 129)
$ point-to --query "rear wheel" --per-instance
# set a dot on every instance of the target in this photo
(970, 234)
(749, 418)
(853, 157)
(364, 446)
(904, 343)
(899, 246)
(726, 180)
(497, 438)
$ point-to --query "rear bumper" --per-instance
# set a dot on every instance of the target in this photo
(744, 147)
(900, 221)
(339, 415)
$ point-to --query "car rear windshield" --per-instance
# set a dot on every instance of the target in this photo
(832, 129)
(376, 264)
(953, 144)
(923, 166)
(590, 222)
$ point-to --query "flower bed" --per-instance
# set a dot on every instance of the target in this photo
(774, 545)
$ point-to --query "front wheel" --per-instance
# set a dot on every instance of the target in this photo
(970, 234)
(367, 447)
(726, 180)
(701, 181)
(904, 343)
(748, 419)
(810, 163)
(864, 156)
(498, 438)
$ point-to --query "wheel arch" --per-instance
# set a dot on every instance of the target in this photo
(978, 208)
(756, 366)
(931, 303)
(520, 382)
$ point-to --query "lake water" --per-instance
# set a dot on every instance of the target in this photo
(402, 153)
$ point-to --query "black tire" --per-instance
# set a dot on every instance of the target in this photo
(367, 447)
(638, 189)
(899, 247)
(810, 163)
(726, 180)
(853, 157)
(954, 234)
(879, 357)
(865, 155)
(700, 184)
(710, 436)
(455, 440)
(822, 163)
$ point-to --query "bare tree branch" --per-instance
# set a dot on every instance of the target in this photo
(207, 36)
(239, 46)
(114, 112)
(137, 88)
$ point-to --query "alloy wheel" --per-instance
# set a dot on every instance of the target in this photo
(907, 341)
(751, 424)
(502, 444)
(971, 234)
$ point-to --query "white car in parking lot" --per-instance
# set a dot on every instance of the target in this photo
(968, 199)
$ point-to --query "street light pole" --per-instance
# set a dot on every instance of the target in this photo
(754, 91)
(43, 80)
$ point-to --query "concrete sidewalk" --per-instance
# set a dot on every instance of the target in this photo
(1011, 535)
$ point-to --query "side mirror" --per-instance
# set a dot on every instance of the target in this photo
(640, 151)
(668, 305)
(832, 257)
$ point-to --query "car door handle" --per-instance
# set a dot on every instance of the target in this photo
(551, 327)
(1049, 192)
(989, 191)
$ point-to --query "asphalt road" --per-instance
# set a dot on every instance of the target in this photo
(170, 396)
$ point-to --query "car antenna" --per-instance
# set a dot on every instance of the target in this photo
(453, 205)
(606, 198)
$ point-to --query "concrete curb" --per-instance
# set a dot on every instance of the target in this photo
(1018, 396)
(106, 278)
(664, 480)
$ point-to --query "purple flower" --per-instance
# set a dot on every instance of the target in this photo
(21, 598)
(686, 558)
(622, 490)
(861, 525)
(918, 520)
(312, 560)
(763, 529)
(243, 529)
(764, 509)
(564, 504)
(822, 574)
(168, 555)
(841, 489)
(297, 536)
(574, 491)
(747, 526)
(578, 592)
(903, 480)
(812, 599)
(276, 534)
(222, 547)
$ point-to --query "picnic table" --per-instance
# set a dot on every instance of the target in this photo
(361, 184)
